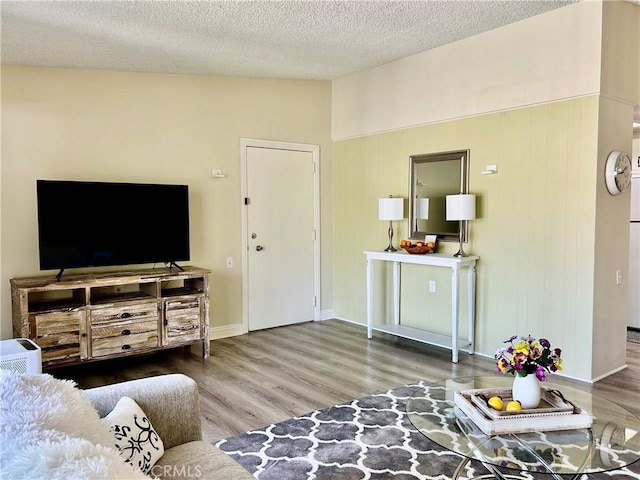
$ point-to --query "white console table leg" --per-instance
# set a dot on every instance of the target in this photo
(455, 308)
(369, 298)
(471, 306)
(396, 293)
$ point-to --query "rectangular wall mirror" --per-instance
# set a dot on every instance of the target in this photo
(433, 176)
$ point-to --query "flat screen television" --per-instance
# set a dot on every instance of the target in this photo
(92, 224)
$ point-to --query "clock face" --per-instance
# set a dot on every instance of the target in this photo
(618, 172)
(623, 172)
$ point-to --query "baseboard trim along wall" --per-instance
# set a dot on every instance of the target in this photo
(216, 333)
(328, 314)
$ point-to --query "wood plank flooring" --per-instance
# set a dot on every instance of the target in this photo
(268, 376)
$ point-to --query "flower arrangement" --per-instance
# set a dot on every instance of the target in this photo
(528, 356)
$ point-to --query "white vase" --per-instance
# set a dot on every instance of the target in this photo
(526, 390)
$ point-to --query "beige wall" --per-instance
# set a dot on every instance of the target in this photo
(611, 301)
(135, 127)
(547, 57)
(549, 236)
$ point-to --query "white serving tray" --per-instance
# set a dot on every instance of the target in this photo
(554, 413)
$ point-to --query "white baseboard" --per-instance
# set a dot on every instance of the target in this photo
(353, 322)
(611, 372)
(216, 333)
(328, 314)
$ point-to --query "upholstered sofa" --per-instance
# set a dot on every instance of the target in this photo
(51, 429)
(172, 404)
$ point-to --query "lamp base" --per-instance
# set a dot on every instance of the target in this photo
(390, 234)
(460, 252)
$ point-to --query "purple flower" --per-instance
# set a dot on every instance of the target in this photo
(528, 356)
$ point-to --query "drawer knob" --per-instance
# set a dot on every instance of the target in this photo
(126, 332)
(125, 315)
(126, 347)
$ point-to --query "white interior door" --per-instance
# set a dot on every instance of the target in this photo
(280, 237)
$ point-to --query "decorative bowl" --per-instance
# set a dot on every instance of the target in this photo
(419, 250)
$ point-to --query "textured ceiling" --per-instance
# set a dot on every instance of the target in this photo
(286, 39)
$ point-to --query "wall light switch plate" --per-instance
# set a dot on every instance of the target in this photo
(618, 277)
(432, 286)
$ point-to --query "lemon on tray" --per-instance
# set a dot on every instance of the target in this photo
(514, 406)
(496, 403)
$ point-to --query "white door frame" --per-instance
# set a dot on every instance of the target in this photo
(300, 147)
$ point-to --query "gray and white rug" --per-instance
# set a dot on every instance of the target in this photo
(370, 438)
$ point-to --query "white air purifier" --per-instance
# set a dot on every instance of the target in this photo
(20, 355)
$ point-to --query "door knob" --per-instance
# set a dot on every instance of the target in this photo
(259, 247)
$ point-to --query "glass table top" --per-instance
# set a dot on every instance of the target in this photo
(612, 442)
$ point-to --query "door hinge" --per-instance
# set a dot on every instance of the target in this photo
(313, 168)
(246, 200)
(315, 301)
(314, 235)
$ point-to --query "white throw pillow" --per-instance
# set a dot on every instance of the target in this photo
(50, 430)
(135, 437)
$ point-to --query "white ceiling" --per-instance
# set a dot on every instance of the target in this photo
(313, 39)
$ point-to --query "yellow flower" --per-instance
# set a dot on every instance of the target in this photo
(522, 347)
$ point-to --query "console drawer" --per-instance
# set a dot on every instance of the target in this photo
(124, 329)
(123, 336)
(182, 320)
(133, 313)
(58, 334)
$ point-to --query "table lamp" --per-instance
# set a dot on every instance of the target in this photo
(422, 210)
(461, 207)
(390, 209)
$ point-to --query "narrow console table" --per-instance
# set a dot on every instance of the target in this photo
(435, 260)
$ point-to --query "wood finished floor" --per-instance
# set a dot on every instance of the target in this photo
(268, 376)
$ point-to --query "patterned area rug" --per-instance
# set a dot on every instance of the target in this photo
(633, 336)
(370, 438)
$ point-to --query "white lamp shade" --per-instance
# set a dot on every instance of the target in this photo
(391, 208)
(461, 207)
(422, 208)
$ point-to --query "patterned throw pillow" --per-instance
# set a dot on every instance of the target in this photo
(135, 438)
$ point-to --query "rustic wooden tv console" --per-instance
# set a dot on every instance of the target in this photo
(89, 317)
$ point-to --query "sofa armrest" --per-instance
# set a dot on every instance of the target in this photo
(170, 402)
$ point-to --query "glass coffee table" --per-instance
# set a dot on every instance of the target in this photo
(611, 443)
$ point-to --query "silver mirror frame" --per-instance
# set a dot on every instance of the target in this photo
(414, 161)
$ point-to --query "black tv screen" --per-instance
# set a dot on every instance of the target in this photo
(90, 224)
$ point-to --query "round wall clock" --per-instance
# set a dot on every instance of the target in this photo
(617, 172)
